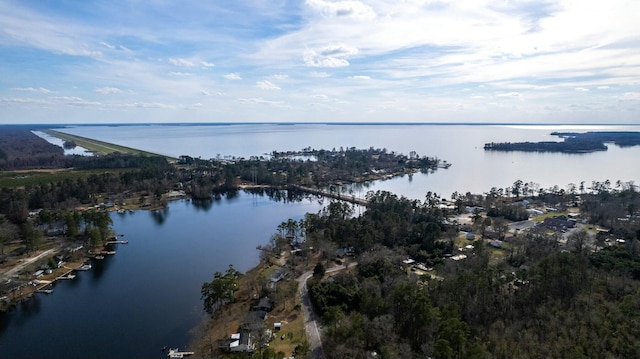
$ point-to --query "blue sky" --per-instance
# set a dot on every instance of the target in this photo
(126, 61)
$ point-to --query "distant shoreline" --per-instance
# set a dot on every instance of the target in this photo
(66, 125)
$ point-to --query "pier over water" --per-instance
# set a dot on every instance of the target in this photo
(331, 194)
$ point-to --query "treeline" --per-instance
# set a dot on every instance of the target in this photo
(21, 149)
(620, 138)
(390, 221)
(311, 167)
(567, 146)
(122, 174)
(571, 303)
(573, 142)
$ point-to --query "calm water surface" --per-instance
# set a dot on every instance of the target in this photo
(473, 169)
(148, 295)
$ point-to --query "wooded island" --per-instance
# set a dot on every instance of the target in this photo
(573, 142)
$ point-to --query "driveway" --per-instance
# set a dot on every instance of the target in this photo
(25, 262)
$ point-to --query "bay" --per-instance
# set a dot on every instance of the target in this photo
(147, 295)
(473, 169)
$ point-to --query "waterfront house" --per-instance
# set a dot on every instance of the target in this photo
(278, 275)
(264, 304)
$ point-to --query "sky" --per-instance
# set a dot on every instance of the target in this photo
(471, 61)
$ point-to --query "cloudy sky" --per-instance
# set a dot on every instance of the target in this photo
(561, 61)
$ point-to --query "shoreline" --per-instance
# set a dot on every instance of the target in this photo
(287, 310)
(101, 147)
(13, 297)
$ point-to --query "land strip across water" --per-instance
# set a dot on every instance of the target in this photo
(100, 147)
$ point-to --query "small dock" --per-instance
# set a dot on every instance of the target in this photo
(84, 267)
(67, 275)
(116, 242)
(175, 353)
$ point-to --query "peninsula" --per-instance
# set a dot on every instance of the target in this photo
(573, 142)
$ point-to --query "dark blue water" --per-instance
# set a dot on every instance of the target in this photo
(148, 295)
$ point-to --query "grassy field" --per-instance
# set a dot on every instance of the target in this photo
(99, 147)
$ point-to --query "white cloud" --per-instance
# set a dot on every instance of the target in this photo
(24, 101)
(261, 101)
(151, 105)
(630, 96)
(329, 56)
(108, 90)
(32, 89)
(75, 101)
(509, 94)
(266, 85)
(182, 62)
(319, 74)
(82, 52)
(109, 46)
(345, 9)
(544, 54)
(208, 93)
(232, 76)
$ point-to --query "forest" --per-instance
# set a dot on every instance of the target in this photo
(545, 300)
(573, 142)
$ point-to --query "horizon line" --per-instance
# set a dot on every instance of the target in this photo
(346, 123)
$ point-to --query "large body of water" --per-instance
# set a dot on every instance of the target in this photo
(473, 169)
(148, 294)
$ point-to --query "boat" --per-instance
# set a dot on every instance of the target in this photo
(99, 256)
(176, 353)
(85, 266)
(68, 276)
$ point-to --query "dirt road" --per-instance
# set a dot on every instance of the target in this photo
(25, 262)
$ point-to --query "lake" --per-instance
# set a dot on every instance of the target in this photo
(146, 296)
(473, 169)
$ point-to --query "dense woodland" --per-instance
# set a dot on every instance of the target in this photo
(573, 142)
(21, 149)
(554, 302)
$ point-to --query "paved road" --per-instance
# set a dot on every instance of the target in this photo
(310, 320)
(520, 226)
(26, 262)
